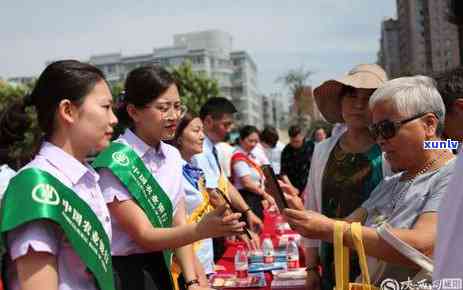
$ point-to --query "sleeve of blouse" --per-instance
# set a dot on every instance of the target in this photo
(241, 169)
(41, 236)
(437, 190)
(181, 195)
(112, 188)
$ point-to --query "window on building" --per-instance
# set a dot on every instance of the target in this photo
(197, 59)
(111, 69)
(237, 75)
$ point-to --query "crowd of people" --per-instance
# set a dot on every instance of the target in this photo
(153, 207)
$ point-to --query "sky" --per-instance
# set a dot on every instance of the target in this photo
(326, 36)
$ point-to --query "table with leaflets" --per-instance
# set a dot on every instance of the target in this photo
(262, 276)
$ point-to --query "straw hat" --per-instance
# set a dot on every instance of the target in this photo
(328, 95)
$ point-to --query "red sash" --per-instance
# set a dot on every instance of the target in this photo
(240, 156)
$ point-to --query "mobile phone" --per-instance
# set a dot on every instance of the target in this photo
(227, 201)
(224, 197)
(273, 187)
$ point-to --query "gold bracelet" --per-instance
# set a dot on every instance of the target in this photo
(347, 230)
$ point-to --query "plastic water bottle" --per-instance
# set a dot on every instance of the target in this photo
(241, 263)
(267, 249)
(279, 225)
(292, 254)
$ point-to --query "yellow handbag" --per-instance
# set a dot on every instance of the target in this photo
(341, 258)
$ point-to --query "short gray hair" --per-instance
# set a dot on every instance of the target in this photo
(412, 96)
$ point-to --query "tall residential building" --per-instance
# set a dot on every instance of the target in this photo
(269, 110)
(244, 89)
(428, 43)
(275, 110)
(442, 37)
(209, 52)
(389, 55)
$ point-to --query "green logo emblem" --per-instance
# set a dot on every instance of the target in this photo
(45, 193)
(121, 158)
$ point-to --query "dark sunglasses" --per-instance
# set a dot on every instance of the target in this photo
(388, 129)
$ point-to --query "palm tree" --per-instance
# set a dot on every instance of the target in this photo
(296, 80)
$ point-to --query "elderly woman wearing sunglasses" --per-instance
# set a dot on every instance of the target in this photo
(406, 112)
(346, 167)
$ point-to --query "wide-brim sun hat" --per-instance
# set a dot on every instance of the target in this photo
(328, 95)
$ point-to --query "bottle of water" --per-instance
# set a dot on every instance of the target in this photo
(279, 225)
(241, 263)
(292, 254)
(267, 249)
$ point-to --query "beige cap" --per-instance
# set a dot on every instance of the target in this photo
(328, 95)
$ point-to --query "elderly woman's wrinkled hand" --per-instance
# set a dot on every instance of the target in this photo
(294, 202)
(309, 224)
(291, 195)
(288, 188)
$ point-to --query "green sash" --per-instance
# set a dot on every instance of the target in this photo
(131, 171)
(34, 194)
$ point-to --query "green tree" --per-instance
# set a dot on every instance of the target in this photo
(295, 80)
(194, 87)
(19, 149)
(117, 89)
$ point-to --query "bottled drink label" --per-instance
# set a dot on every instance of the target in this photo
(242, 274)
(293, 262)
(269, 259)
(267, 248)
(292, 255)
(241, 263)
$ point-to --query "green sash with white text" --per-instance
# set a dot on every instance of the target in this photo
(131, 171)
(35, 194)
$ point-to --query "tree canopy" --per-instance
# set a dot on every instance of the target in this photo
(194, 87)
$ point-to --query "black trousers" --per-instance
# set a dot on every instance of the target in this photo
(145, 271)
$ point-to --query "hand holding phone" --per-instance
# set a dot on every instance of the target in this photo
(225, 198)
(273, 187)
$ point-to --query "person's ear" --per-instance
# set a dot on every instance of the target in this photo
(67, 111)
(431, 122)
(207, 123)
(133, 113)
